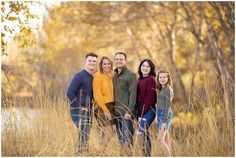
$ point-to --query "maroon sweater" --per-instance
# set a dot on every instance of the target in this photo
(146, 94)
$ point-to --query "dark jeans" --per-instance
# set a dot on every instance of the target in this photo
(83, 121)
(143, 128)
(124, 130)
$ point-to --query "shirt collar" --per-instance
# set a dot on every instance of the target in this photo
(88, 73)
(123, 69)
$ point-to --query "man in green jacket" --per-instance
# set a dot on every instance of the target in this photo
(125, 90)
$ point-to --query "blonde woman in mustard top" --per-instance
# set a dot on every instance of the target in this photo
(104, 99)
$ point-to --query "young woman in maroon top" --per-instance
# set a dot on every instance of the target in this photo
(146, 101)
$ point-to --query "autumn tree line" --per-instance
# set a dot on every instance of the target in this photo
(194, 41)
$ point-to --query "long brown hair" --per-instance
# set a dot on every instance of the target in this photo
(169, 81)
(100, 63)
(152, 66)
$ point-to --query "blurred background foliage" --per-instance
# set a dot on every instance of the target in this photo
(192, 40)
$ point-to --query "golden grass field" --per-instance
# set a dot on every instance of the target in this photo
(50, 132)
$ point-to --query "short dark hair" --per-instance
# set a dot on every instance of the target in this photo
(122, 54)
(152, 66)
(91, 54)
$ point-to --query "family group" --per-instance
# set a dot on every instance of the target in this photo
(118, 97)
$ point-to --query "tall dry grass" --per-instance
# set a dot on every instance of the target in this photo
(50, 131)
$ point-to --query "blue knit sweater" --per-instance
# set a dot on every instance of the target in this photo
(80, 91)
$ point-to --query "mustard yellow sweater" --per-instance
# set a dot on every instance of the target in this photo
(103, 90)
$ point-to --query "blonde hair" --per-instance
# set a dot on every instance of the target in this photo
(100, 63)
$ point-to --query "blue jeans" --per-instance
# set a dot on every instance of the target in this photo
(83, 121)
(160, 115)
(143, 128)
(124, 130)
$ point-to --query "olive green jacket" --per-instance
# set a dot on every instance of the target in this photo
(164, 101)
(125, 90)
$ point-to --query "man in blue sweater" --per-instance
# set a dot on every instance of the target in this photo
(80, 95)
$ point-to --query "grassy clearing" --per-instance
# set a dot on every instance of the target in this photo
(50, 131)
